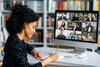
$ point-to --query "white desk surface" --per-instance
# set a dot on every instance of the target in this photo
(92, 59)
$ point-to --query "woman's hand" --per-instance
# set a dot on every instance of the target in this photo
(37, 54)
(52, 57)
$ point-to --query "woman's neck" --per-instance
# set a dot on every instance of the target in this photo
(23, 37)
(20, 36)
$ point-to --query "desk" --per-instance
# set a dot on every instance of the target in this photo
(92, 60)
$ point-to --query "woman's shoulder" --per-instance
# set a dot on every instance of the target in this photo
(13, 39)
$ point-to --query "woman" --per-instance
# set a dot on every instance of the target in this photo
(21, 26)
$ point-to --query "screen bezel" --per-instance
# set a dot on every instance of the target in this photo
(76, 11)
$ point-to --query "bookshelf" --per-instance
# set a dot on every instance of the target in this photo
(46, 10)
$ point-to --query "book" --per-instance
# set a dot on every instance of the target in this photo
(68, 4)
(1, 36)
(97, 7)
(50, 37)
(1, 6)
(71, 5)
(54, 5)
(5, 33)
(87, 5)
(78, 5)
(40, 22)
(60, 5)
(74, 5)
(82, 5)
(1, 30)
(39, 7)
(99, 39)
(50, 21)
(32, 4)
(0, 22)
(64, 5)
(50, 5)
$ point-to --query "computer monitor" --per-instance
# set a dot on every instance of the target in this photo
(76, 29)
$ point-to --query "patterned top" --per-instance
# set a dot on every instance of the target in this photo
(16, 53)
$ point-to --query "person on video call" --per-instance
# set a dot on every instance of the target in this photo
(89, 28)
(87, 37)
(61, 35)
(90, 17)
(21, 26)
(62, 17)
(63, 25)
(73, 35)
(75, 17)
(75, 27)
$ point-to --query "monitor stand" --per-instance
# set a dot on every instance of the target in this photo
(79, 50)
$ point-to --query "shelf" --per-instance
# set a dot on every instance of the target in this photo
(50, 12)
(6, 11)
(39, 28)
(36, 43)
(39, 12)
(40, 43)
(50, 43)
(50, 28)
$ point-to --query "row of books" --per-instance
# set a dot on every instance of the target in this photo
(37, 6)
(73, 5)
(52, 5)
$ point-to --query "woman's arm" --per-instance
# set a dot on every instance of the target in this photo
(32, 51)
(52, 57)
(36, 54)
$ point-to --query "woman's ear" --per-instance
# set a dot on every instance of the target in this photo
(25, 25)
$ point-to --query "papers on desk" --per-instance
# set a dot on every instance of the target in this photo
(62, 55)
(44, 57)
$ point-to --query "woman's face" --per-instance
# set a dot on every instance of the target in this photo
(29, 29)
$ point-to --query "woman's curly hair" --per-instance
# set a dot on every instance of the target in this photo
(20, 15)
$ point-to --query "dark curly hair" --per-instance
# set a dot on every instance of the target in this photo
(20, 15)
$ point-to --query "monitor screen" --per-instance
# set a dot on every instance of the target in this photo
(76, 25)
